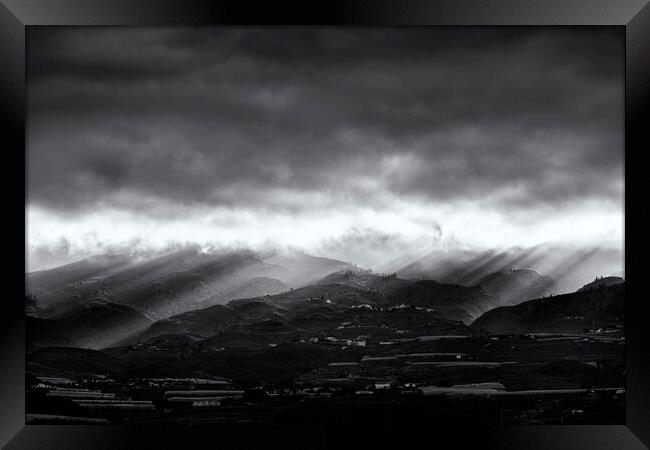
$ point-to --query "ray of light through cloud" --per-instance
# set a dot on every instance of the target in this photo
(367, 145)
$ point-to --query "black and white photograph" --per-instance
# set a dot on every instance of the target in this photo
(325, 225)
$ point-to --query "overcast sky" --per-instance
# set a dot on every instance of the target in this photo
(332, 140)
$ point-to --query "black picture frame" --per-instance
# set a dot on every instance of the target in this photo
(633, 15)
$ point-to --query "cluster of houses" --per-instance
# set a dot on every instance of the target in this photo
(168, 381)
(441, 358)
(359, 341)
(188, 392)
(89, 399)
(203, 397)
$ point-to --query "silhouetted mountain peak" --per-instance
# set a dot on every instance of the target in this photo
(601, 282)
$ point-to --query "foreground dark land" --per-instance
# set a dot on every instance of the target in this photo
(293, 384)
(352, 348)
(542, 379)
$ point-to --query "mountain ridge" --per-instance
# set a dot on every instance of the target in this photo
(566, 313)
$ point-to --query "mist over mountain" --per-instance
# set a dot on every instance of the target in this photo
(568, 266)
(106, 300)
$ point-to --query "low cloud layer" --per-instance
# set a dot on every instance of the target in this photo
(304, 136)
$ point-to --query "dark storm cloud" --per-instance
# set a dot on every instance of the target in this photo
(243, 116)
